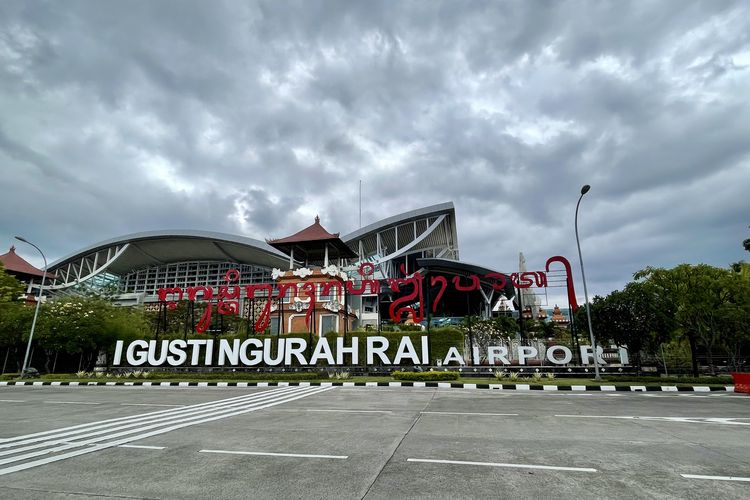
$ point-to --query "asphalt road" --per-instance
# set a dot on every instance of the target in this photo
(297, 442)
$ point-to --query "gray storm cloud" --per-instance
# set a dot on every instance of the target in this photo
(253, 117)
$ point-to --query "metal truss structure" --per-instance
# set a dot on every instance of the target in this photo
(143, 262)
(84, 268)
(428, 232)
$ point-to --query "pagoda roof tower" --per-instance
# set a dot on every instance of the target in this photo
(313, 245)
(19, 267)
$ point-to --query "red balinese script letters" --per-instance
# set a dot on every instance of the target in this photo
(410, 289)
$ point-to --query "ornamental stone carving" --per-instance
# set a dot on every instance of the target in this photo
(302, 272)
(333, 306)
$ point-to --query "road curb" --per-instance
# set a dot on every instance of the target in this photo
(440, 385)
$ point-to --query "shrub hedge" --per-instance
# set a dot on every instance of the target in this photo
(425, 376)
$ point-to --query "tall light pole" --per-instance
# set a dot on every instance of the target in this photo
(38, 303)
(584, 190)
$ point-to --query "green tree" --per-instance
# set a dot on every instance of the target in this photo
(742, 268)
(87, 326)
(733, 319)
(638, 317)
(540, 329)
(10, 287)
(598, 321)
(485, 332)
(15, 318)
(15, 323)
(697, 294)
(501, 326)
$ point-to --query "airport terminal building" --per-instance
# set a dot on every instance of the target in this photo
(133, 268)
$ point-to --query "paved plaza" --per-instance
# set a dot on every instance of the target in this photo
(370, 442)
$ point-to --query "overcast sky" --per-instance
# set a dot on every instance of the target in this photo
(251, 118)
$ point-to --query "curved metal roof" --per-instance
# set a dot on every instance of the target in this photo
(440, 208)
(429, 229)
(128, 253)
(139, 250)
(464, 269)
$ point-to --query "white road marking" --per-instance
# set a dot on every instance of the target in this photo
(146, 404)
(716, 478)
(496, 464)
(141, 446)
(269, 454)
(727, 420)
(11, 401)
(71, 402)
(136, 422)
(291, 394)
(691, 420)
(353, 411)
(181, 423)
(117, 421)
(468, 413)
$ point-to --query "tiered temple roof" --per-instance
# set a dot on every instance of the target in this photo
(17, 266)
(314, 245)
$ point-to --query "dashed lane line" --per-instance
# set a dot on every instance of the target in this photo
(691, 420)
(148, 404)
(142, 447)
(716, 478)
(469, 413)
(497, 464)
(272, 454)
(71, 402)
(349, 411)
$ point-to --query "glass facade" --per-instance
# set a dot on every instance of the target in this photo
(186, 274)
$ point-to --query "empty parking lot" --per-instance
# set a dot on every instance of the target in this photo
(370, 442)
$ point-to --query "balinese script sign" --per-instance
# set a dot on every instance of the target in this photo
(411, 289)
(288, 351)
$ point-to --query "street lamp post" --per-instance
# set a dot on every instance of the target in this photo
(36, 310)
(584, 190)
